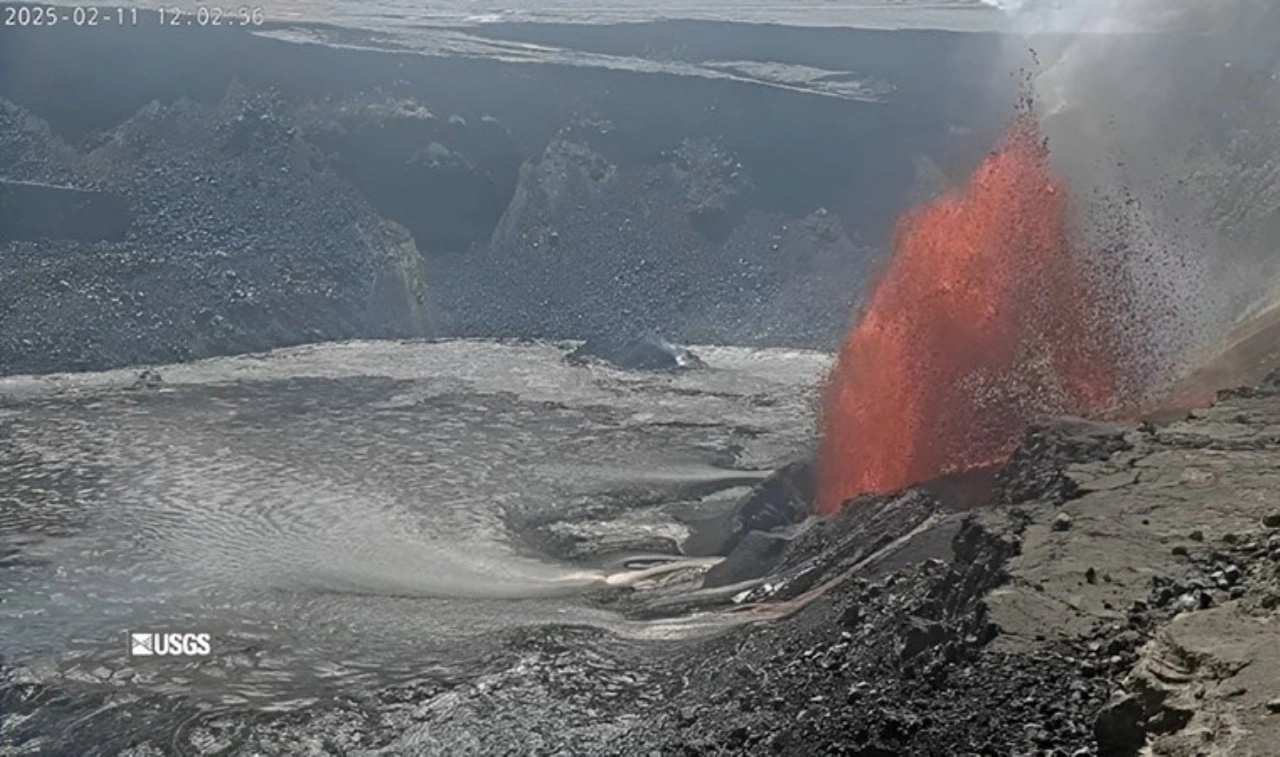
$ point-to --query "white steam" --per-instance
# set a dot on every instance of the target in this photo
(1164, 117)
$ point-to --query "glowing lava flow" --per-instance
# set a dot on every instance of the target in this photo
(983, 321)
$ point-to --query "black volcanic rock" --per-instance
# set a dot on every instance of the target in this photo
(876, 636)
(756, 555)
(30, 151)
(645, 351)
(1036, 469)
(784, 499)
(446, 179)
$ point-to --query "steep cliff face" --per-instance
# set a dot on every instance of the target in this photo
(401, 301)
(686, 193)
(443, 176)
(596, 242)
(239, 237)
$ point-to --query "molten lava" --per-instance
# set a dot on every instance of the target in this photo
(984, 320)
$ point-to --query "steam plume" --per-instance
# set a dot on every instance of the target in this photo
(1162, 116)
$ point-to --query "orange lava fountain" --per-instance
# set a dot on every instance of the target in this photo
(984, 320)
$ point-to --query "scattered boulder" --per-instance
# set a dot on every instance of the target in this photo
(920, 635)
(1271, 382)
(1122, 726)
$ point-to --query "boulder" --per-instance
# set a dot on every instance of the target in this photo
(756, 555)
(643, 352)
(784, 499)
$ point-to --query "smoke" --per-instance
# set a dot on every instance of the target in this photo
(1163, 116)
(1093, 16)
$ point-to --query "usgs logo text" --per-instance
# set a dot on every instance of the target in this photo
(168, 644)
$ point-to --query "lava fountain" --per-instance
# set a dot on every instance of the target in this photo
(986, 318)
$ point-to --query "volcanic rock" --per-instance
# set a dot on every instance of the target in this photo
(755, 556)
(446, 180)
(782, 500)
(239, 238)
(31, 211)
(148, 379)
(644, 352)
(1006, 647)
(1038, 469)
(900, 627)
(597, 239)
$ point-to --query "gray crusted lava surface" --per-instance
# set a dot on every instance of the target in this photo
(1123, 596)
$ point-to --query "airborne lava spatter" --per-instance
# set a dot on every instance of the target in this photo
(984, 320)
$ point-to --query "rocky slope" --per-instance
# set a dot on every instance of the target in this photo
(1122, 598)
(1116, 592)
(594, 243)
(238, 237)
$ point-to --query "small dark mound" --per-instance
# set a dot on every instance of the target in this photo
(781, 500)
(643, 352)
(148, 379)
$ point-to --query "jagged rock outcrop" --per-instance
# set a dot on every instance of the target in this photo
(780, 501)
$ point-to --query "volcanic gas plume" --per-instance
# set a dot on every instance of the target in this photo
(986, 318)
